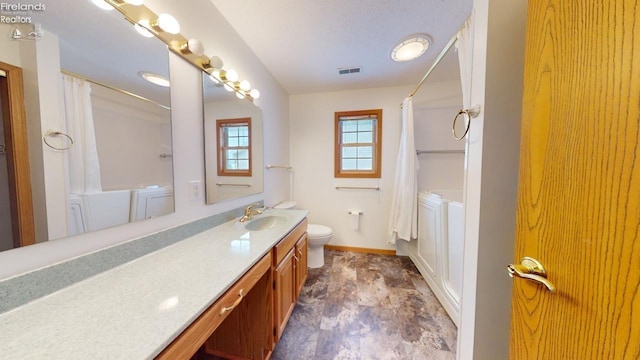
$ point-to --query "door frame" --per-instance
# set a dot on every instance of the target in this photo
(15, 130)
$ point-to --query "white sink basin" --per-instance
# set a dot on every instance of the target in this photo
(265, 222)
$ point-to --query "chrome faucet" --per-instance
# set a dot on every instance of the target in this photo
(250, 211)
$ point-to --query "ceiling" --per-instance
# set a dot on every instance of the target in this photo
(304, 42)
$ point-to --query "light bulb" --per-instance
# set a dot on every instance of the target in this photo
(254, 93)
(214, 78)
(168, 24)
(134, 2)
(245, 85)
(102, 5)
(231, 75)
(228, 87)
(195, 46)
(141, 28)
(216, 62)
(240, 95)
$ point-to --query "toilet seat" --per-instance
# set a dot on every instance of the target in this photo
(316, 231)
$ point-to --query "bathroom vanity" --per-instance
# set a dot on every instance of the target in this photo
(227, 291)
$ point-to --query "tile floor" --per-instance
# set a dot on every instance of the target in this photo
(366, 306)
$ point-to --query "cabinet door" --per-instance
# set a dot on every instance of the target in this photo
(301, 269)
(285, 292)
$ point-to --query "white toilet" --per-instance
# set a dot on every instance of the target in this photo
(317, 237)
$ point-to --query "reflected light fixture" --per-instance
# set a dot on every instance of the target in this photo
(411, 48)
(245, 85)
(155, 78)
(254, 93)
(240, 95)
(228, 87)
(102, 5)
(231, 75)
(141, 28)
(215, 75)
(167, 23)
(134, 2)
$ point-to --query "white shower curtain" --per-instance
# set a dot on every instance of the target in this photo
(83, 163)
(403, 220)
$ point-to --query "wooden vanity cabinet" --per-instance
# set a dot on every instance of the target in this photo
(242, 306)
(290, 263)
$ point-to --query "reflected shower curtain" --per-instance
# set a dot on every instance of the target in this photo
(403, 219)
(82, 157)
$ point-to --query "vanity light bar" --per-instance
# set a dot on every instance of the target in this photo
(189, 49)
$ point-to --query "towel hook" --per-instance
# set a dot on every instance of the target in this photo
(468, 113)
(57, 133)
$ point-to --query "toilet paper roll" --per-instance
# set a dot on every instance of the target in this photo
(354, 216)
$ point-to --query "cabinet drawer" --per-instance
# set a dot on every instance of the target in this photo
(285, 245)
(187, 343)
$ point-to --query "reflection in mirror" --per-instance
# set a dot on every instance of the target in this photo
(99, 139)
(233, 144)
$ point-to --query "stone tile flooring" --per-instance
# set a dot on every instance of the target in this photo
(366, 306)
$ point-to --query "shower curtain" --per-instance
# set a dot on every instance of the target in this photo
(403, 220)
(82, 157)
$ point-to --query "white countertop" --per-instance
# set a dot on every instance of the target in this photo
(135, 310)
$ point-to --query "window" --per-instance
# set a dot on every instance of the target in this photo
(234, 147)
(358, 143)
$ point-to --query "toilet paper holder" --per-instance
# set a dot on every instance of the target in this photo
(354, 212)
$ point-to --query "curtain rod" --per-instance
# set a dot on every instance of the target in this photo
(114, 89)
(435, 63)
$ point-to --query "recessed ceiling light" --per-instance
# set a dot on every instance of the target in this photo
(155, 78)
(411, 48)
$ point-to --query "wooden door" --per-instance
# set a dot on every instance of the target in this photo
(579, 183)
(15, 132)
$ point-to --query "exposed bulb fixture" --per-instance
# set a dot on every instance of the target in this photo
(193, 46)
(215, 75)
(411, 48)
(102, 5)
(254, 93)
(141, 28)
(245, 85)
(240, 95)
(168, 23)
(155, 78)
(228, 87)
(134, 2)
(216, 62)
(231, 75)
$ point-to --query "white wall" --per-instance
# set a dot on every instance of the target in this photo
(312, 146)
(201, 20)
(492, 178)
(130, 135)
(434, 108)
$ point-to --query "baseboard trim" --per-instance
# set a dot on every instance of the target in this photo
(360, 250)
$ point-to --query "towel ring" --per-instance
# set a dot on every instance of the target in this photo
(57, 133)
(469, 113)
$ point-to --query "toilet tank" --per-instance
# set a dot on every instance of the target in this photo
(286, 205)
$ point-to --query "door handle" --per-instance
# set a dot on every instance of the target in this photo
(531, 269)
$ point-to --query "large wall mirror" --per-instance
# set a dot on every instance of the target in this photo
(83, 83)
(233, 144)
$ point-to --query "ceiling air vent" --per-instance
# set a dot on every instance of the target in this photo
(351, 70)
